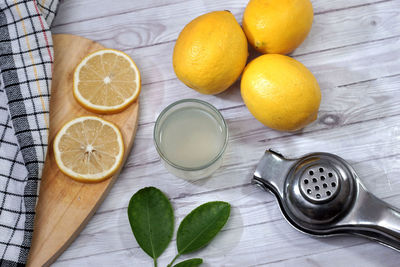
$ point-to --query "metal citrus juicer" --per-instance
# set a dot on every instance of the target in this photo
(321, 194)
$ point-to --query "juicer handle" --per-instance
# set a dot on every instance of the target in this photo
(377, 220)
(271, 170)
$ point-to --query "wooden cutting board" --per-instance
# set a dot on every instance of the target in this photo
(65, 206)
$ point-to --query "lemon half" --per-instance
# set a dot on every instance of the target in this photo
(106, 81)
(88, 149)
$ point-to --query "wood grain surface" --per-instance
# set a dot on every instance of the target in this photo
(65, 206)
(354, 51)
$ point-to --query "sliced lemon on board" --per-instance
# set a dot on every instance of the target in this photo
(106, 81)
(88, 149)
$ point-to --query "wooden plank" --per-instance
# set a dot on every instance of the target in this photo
(152, 26)
(352, 26)
(356, 253)
(364, 254)
(72, 11)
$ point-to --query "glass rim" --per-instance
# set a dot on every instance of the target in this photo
(197, 101)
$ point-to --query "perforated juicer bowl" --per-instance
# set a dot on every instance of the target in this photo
(321, 194)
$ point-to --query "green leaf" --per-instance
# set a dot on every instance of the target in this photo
(200, 226)
(152, 220)
(190, 263)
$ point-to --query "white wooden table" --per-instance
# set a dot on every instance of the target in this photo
(353, 50)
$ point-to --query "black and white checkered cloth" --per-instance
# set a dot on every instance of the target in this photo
(26, 57)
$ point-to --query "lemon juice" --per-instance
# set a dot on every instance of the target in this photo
(191, 137)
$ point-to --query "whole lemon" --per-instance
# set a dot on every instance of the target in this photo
(210, 53)
(277, 26)
(280, 92)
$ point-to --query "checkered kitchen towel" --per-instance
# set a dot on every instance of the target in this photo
(26, 57)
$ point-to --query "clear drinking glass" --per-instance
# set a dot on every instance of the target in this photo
(191, 136)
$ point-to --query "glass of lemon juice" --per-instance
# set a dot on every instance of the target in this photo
(191, 136)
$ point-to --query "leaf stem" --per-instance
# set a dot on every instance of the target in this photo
(173, 260)
(155, 262)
